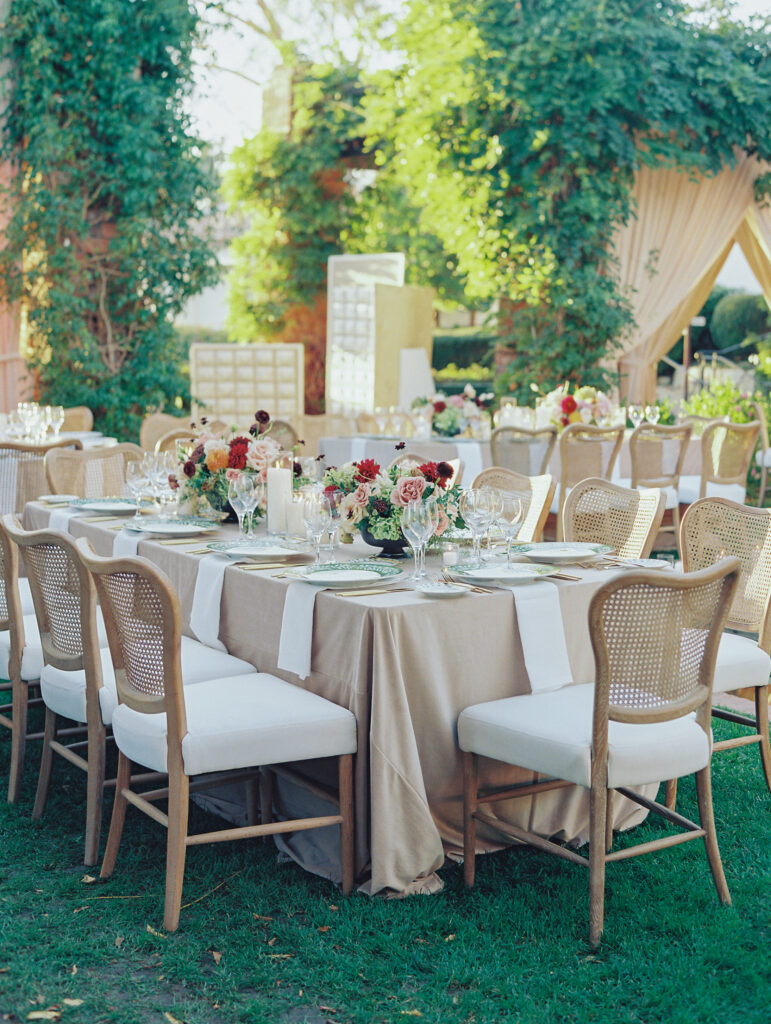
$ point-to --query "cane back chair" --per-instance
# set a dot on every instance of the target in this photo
(657, 453)
(646, 718)
(763, 454)
(78, 418)
(525, 451)
(22, 471)
(585, 451)
(726, 453)
(600, 512)
(535, 493)
(98, 473)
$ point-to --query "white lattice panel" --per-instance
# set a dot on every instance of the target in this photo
(232, 382)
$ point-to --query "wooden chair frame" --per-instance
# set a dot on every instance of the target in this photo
(536, 491)
(63, 468)
(529, 436)
(656, 433)
(760, 416)
(177, 793)
(78, 418)
(631, 522)
(155, 425)
(582, 433)
(749, 430)
(601, 833)
(168, 441)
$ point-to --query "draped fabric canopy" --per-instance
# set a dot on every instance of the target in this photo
(671, 253)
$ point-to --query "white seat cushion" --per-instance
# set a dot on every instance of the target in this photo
(65, 692)
(240, 722)
(551, 733)
(740, 662)
(32, 658)
(670, 492)
(763, 458)
(690, 489)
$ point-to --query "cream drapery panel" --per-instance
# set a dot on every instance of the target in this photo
(754, 237)
(670, 255)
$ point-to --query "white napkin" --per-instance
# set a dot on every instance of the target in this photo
(358, 448)
(473, 463)
(541, 630)
(294, 648)
(205, 615)
(60, 519)
(126, 543)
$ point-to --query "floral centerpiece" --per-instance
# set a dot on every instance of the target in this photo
(454, 414)
(584, 405)
(216, 458)
(375, 498)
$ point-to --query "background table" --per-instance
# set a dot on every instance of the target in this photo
(405, 666)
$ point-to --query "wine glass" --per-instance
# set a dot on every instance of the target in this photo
(652, 413)
(496, 501)
(248, 495)
(509, 519)
(236, 504)
(137, 483)
(418, 524)
(636, 414)
(477, 509)
(317, 516)
(381, 419)
(56, 419)
(334, 497)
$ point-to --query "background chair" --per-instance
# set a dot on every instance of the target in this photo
(78, 418)
(657, 454)
(585, 451)
(698, 424)
(525, 451)
(763, 454)
(712, 528)
(156, 425)
(98, 473)
(646, 718)
(366, 424)
(168, 442)
(22, 471)
(231, 725)
(726, 451)
(284, 434)
(535, 493)
(599, 512)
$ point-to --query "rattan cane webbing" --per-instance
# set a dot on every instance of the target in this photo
(713, 528)
(588, 451)
(526, 452)
(602, 513)
(139, 619)
(91, 474)
(55, 573)
(657, 454)
(533, 491)
(726, 449)
(656, 640)
(3, 600)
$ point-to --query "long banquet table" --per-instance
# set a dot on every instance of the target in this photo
(406, 666)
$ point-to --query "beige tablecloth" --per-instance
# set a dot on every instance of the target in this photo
(406, 666)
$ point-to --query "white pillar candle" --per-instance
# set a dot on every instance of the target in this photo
(295, 524)
(279, 496)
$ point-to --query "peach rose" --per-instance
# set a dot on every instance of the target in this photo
(361, 495)
(408, 488)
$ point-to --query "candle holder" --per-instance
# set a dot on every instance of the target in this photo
(279, 491)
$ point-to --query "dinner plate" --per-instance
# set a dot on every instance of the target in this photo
(115, 506)
(58, 499)
(182, 526)
(436, 588)
(645, 563)
(242, 551)
(509, 575)
(562, 552)
(348, 575)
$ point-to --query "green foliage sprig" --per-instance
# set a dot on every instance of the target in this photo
(107, 195)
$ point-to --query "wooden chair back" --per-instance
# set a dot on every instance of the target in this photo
(657, 454)
(11, 616)
(655, 637)
(156, 425)
(599, 512)
(78, 417)
(525, 451)
(535, 492)
(715, 527)
(400, 424)
(366, 423)
(699, 423)
(760, 416)
(587, 451)
(168, 442)
(97, 473)
(284, 434)
(726, 452)
(22, 471)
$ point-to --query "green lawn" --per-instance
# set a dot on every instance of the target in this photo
(273, 944)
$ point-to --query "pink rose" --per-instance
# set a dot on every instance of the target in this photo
(456, 400)
(361, 495)
(232, 474)
(408, 488)
(442, 521)
(259, 455)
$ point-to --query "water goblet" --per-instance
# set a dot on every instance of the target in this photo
(56, 419)
(418, 524)
(496, 502)
(334, 498)
(636, 414)
(381, 419)
(477, 509)
(509, 519)
(317, 516)
(137, 483)
(249, 497)
(236, 504)
(652, 413)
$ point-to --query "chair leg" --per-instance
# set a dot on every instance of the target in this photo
(266, 796)
(670, 794)
(97, 748)
(707, 818)
(46, 761)
(676, 525)
(122, 781)
(609, 822)
(345, 777)
(252, 802)
(469, 821)
(761, 719)
(597, 815)
(19, 700)
(179, 806)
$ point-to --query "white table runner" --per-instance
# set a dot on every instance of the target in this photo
(205, 614)
(126, 543)
(60, 519)
(473, 463)
(542, 632)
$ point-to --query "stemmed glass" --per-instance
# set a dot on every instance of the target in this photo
(236, 504)
(334, 497)
(496, 500)
(652, 413)
(477, 506)
(137, 483)
(381, 419)
(248, 495)
(418, 525)
(635, 414)
(317, 516)
(56, 419)
(509, 519)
